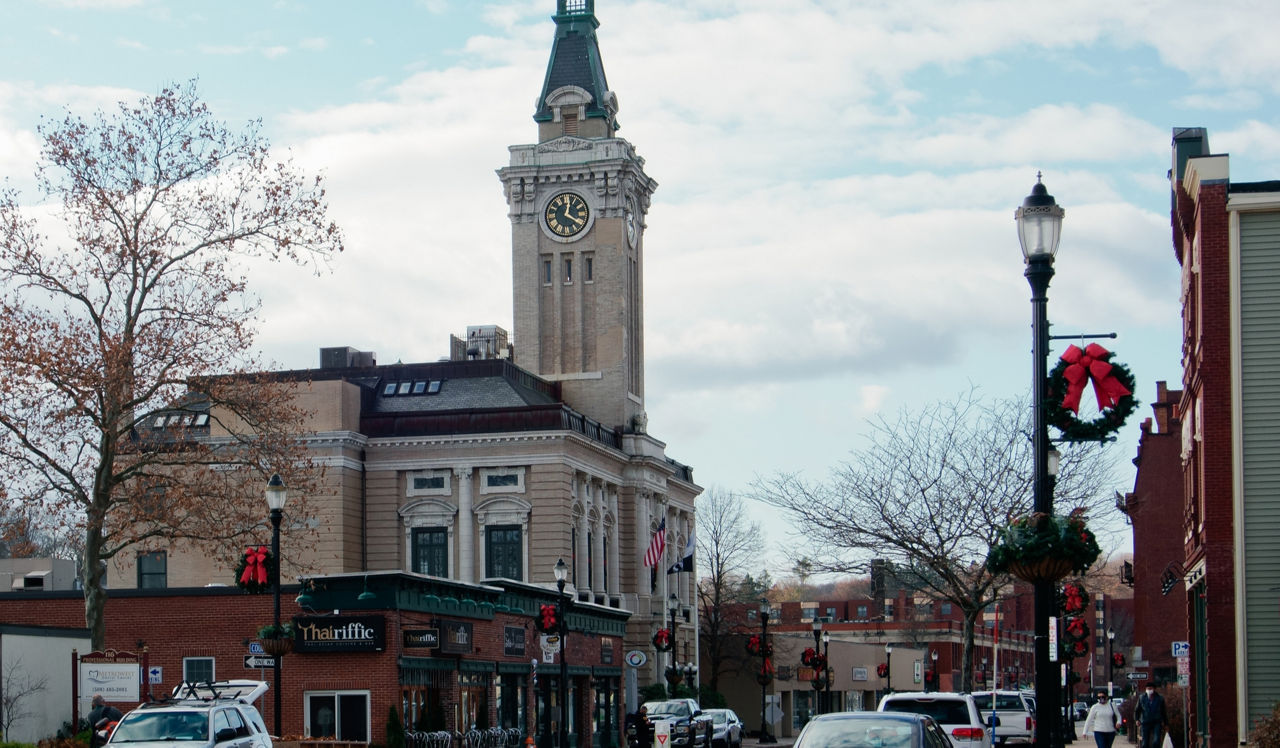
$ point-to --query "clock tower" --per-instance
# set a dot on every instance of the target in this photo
(577, 200)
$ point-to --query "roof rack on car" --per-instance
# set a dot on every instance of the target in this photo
(234, 690)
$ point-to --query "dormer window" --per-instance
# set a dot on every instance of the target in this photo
(389, 390)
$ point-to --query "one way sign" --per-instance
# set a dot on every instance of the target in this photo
(252, 662)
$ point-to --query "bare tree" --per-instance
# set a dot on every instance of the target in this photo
(928, 495)
(18, 689)
(728, 542)
(114, 324)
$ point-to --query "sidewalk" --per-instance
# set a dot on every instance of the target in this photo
(1081, 741)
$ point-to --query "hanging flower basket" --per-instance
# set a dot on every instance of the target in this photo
(1040, 547)
(276, 640)
(254, 569)
(662, 640)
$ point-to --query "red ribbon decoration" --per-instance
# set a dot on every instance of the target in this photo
(255, 565)
(549, 623)
(1086, 365)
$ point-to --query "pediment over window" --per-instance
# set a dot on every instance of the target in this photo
(428, 513)
(503, 510)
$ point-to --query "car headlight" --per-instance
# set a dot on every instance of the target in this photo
(682, 729)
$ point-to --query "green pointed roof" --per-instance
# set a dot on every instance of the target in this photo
(575, 58)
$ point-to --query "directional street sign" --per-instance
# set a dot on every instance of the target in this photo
(252, 662)
(1136, 676)
(1180, 649)
(155, 675)
(255, 648)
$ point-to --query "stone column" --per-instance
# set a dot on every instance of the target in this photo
(615, 552)
(466, 526)
(597, 540)
(582, 489)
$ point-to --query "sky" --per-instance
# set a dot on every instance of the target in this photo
(832, 237)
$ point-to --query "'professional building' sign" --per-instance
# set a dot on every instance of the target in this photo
(340, 634)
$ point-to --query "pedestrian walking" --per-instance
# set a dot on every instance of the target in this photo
(1152, 717)
(1103, 721)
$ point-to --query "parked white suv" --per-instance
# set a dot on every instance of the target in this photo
(956, 713)
(1017, 718)
(200, 715)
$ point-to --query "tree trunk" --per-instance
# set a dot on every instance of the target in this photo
(966, 658)
(92, 576)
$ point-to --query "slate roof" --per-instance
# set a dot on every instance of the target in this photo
(575, 61)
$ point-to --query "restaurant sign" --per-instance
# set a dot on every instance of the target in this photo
(424, 638)
(340, 634)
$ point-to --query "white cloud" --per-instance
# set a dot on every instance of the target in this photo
(314, 44)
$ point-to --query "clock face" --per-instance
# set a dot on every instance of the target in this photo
(633, 230)
(566, 214)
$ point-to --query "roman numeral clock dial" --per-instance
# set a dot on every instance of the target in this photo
(566, 214)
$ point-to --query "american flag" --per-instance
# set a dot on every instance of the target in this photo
(653, 556)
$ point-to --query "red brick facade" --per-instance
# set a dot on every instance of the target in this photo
(221, 623)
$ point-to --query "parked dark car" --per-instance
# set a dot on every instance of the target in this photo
(872, 730)
(690, 726)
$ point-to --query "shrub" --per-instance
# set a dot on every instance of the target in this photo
(1266, 730)
(395, 728)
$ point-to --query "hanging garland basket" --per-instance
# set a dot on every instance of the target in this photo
(255, 569)
(1041, 547)
(1113, 385)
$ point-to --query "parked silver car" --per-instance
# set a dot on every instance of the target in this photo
(726, 729)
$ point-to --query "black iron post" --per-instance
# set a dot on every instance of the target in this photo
(672, 673)
(276, 493)
(562, 572)
(1039, 223)
(765, 737)
(817, 647)
(933, 655)
(888, 668)
(826, 673)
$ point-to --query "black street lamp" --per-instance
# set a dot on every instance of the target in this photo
(1039, 229)
(765, 737)
(672, 672)
(1108, 667)
(826, 673)
(276, 495)
(933, 655)
(888, 667)
(562, 573)
(817, 646)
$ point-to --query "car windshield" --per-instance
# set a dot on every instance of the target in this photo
(943, 711)
(858, 733)
(1004, 702)
(147, 726)
(719, 717)
(668, 709)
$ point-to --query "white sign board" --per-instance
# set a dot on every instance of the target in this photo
(662, 734)
(155, 675)
(115, 681)
(258, 661)
(1136, 676)
(772, 714)
(1180, 649)
(1184, 666)
(1053, 638)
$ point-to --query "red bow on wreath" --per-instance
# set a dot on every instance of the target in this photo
(662, 638)
(255, 565)
(1117, 660)
(882, 669)
(1076, 628)
(806, 657)
(1088, 365)
(1074, 602)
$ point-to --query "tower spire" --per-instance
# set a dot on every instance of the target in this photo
(575, 91)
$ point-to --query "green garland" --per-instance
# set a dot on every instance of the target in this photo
(1038, 535)
(1107, 423)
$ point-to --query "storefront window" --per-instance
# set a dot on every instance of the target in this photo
(511, 701)
(342, 715)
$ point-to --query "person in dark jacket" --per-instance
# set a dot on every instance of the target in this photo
(101, 715)
(1152, 716)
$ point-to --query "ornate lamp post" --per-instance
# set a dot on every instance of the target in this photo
(826, 673)
(765, 737)
(562, 573)
(888, 667)
(672, 673)
(933, 656)
(1108, 668)
(276, 494)
(690, 670)
(817, 646)
(1039, 229)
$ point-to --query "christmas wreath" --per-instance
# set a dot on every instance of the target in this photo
(1073, 649)
(1073, 598)
(1076, 629)
(662, 640)
(806, 657)
(548, 619)
(1032, 539)
(765, 676)
(1113, 384)
(882, 669)
(254, 570)
(1117, 660)
(756, 643)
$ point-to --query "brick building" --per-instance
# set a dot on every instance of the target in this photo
(483, 470)
(1226, 237)
(1155, 508)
